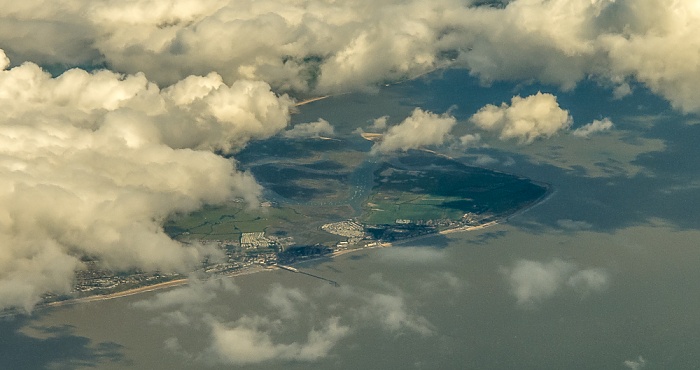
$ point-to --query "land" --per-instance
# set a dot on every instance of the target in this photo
(325, 198)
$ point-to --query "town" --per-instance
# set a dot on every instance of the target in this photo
(256, 249)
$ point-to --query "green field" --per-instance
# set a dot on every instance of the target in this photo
(387, 207)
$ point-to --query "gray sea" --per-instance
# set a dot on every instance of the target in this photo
(602, 275)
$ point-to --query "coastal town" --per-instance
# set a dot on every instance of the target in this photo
(257, 249)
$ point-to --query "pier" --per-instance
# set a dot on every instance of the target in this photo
(295, 270)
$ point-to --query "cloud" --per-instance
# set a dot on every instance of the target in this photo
(470, 140)
(4, 60)
(289, 325)
(594, 127)
(532, 282)
(573, 225)
(393, 315)
(443, 281)
(379, 124)
(310, 130)
(588, 281)
(249, 341)
(322, 46)
(525, 119)
(286, 300)
(195, 293)
(485, 160)
(638, 364)
(562, 42)
(93, 163)
(658, 47)
(421, 129)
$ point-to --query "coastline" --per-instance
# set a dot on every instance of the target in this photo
(259, 268)
(147, 288)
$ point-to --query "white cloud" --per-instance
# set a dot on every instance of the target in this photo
(532, 282)
(420, 129)
(249, 341)
(485, 160)
(622, 90)
(339, 46)
(92, 164)
(286, 300)
(441, 282)
(588, 281)
(594, 127)
(379, 124)
(393, 315)
(638, 364)
(290, 326)
(4, 60)
(470, 140)
(525, 119)
(310, 130)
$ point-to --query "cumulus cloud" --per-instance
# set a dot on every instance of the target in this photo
(485, 160)
(286, 300)
(420, 129)
(310, 130)
(292, 44)
(532, 282)
(379, 124)
(588, 281)
(525, 119)
(470, 140)
(289, 325)
(594, 127)
(338, 46)
(92, 164)
(638, 364)
(658, 46)
(4, 60)
(249, 341)
(393, 315)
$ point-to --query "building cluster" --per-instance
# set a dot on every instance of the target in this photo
(94, 280)
(256, 249)
(258, 240)
(349, 229)
(254, 240)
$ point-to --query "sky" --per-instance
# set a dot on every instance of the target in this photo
(116, 115)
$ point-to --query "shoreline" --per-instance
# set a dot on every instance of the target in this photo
(259, 268)
(147, 288)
